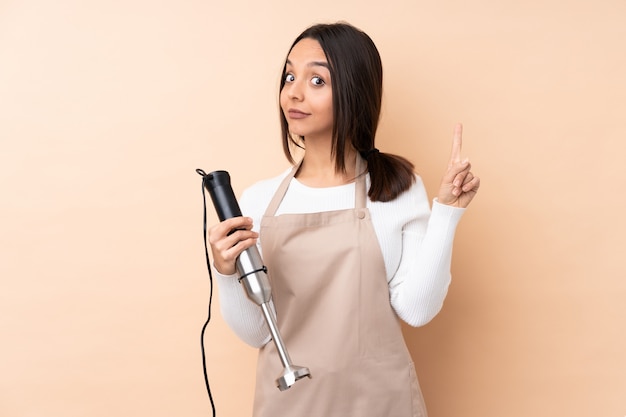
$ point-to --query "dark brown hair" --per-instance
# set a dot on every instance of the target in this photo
(357, 84)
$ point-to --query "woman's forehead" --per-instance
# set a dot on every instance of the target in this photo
(305, 51)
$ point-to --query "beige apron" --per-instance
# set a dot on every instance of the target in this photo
(332, 304)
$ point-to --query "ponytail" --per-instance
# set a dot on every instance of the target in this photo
(390, 175)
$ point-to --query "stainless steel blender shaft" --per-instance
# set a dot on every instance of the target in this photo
(253, 276)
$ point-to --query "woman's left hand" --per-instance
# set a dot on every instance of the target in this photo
(458, 185)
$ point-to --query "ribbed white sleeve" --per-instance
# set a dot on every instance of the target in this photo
(416, 244)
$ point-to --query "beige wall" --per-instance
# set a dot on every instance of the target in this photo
(107, 108)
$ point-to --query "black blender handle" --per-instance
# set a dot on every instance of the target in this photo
(218, 185)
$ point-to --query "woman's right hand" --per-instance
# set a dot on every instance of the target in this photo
(226, 246)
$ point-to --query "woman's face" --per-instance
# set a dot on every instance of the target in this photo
(306, 98)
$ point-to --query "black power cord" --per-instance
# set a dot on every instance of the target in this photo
(208, 264)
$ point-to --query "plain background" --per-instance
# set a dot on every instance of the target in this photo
(108, 107)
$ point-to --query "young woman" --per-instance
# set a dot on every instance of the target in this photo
(349, 239)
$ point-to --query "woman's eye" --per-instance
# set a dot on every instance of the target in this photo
(317, 81)
(289, 78)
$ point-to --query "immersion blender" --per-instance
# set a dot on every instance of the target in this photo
(252, 273)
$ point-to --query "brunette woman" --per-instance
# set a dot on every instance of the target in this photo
(349, 239)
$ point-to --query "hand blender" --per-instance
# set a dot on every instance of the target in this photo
(252, 273)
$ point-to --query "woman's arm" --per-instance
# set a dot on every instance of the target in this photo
(420, 283)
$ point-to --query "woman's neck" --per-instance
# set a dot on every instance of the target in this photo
(318, 168)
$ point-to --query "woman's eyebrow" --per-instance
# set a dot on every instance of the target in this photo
(312, 64)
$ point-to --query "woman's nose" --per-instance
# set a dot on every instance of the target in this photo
(295, 90)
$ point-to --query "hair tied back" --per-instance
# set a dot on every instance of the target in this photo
(369, 153)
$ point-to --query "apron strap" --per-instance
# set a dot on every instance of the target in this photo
(280, 192)
(360, 189)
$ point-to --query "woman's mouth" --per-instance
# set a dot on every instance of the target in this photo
(296, 114)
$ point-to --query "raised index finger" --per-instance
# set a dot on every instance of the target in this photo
(457, 141)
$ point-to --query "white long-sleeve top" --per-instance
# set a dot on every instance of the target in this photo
(416, 245)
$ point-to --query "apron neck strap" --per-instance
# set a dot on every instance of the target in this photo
(360, 191)
(280, 192)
